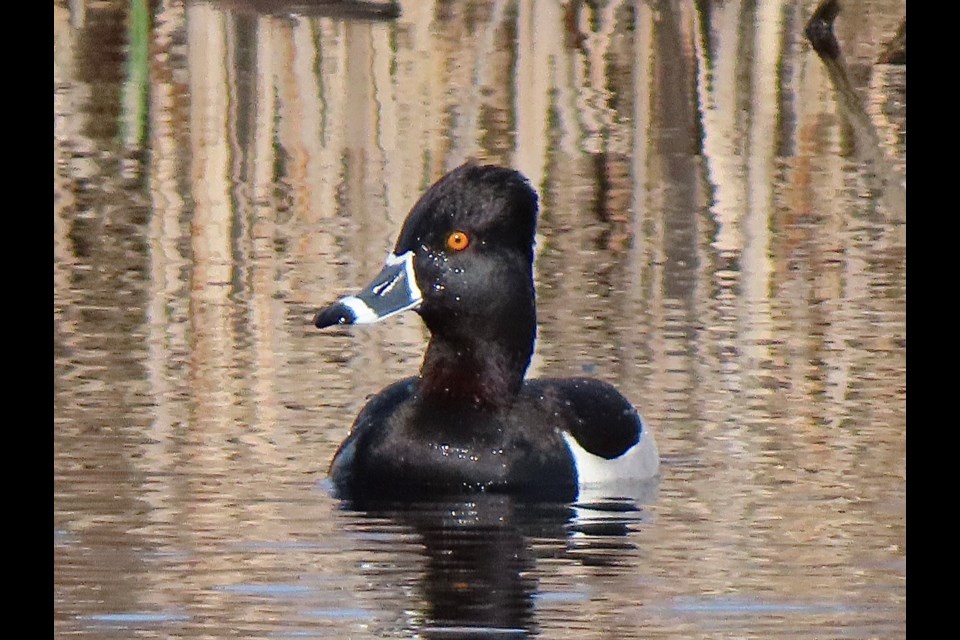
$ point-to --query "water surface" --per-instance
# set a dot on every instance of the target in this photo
(712, 241)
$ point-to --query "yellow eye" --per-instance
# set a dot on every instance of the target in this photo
(458, 241)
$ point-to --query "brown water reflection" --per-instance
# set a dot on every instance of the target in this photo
(710, 241)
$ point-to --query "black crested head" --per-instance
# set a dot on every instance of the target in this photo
(495, 201)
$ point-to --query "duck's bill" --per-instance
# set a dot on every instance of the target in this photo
(392, 291)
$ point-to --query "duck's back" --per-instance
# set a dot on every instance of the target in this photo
(601, 428)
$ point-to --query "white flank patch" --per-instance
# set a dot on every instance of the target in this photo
(362, 313)
(639, 462)
(344, 457)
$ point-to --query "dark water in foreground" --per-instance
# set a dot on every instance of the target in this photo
(712, 241)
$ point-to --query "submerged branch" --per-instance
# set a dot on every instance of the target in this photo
(819, 31)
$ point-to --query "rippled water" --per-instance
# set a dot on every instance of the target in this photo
(714, 240)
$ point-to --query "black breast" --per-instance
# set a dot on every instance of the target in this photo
(400, 449)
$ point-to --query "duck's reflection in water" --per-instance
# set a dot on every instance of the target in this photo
(479, 579)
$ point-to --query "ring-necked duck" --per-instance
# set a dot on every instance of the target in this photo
(469, 421)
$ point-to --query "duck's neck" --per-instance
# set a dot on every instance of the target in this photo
(479, 371)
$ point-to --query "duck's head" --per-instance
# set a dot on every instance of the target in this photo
(464, 262)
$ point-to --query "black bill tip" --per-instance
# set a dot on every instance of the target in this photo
(336, 313)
